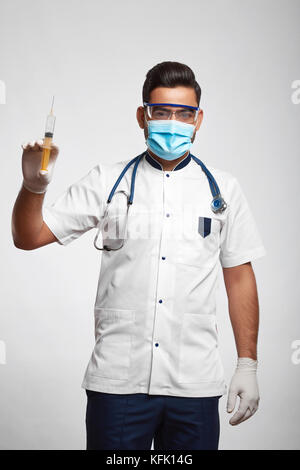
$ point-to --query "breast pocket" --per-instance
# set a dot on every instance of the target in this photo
(111, 357)
(199, 359)
(200, 245)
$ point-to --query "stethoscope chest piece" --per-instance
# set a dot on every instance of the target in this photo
(218, 204)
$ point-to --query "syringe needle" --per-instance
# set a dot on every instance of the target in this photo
(52, 105)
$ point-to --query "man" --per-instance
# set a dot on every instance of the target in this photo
(155, 372)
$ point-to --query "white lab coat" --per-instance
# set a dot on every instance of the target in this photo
(155, 306)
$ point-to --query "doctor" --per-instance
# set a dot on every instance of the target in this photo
(155, 371)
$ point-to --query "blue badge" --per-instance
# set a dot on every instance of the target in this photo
(204, 226)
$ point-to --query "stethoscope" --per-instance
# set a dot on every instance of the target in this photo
(218, 204)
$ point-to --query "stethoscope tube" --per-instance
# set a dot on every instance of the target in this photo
(218, 203)
(135, 160)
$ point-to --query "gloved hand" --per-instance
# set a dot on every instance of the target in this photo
(35, 180)
(243, 384)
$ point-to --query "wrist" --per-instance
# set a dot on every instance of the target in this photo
(35, 191)
(247, 363)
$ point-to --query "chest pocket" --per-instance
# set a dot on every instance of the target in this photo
(200, 246)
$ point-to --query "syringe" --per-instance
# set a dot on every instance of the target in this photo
(50, 122)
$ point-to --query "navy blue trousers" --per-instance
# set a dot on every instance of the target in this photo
(132, 421)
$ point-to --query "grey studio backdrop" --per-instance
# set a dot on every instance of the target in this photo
(93, 56)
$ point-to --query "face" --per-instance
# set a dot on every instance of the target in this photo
(176, 95)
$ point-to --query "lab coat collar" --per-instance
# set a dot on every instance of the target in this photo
(157, 165)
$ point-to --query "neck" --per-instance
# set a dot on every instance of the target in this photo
(168, 165)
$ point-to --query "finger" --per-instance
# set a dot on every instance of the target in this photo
(253, 410)
(40, 143)
(54, 152)
(33, 145)
(54, 148)
(24, 145)
(240, 413)
(246, 416)
(231, 401)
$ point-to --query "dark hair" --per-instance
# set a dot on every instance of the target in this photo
(170, 74)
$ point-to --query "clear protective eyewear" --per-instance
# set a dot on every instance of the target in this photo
(160, 111)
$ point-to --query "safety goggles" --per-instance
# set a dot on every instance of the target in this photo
(159, 111)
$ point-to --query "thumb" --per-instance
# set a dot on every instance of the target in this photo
(44, 176)
(231, 401)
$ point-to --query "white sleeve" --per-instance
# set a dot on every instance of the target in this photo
(78, 209)
(240, 239)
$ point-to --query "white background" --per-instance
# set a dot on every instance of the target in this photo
(94, 56)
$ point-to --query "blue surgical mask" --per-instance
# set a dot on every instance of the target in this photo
(168, 138)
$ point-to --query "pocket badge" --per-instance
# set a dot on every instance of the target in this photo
(204, 226)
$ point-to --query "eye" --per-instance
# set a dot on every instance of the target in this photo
(186, 114)
(159, 112)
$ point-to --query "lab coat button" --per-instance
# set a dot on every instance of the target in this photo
(168, 215)
(163, 257)
(167, 175)
(160, 301)
(156, 344)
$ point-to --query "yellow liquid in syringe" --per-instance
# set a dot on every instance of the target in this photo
(47, 144)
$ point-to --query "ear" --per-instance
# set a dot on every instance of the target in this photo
(140, 116)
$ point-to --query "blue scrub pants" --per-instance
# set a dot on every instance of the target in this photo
(131, 421)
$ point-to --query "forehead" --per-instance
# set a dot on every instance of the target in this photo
(178, 95)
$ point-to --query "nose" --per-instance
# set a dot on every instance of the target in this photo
(173, 115)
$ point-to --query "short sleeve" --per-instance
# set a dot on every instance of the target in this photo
(78, 209)
(240, 239)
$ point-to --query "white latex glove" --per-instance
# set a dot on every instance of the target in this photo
(35, 180)
(243, 384)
